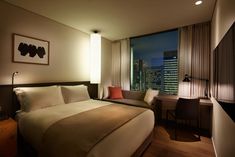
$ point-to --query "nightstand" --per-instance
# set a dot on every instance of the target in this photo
(8, 136)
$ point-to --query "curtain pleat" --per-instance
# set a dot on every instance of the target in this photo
(125, 64)
(195, 51)
(200, 58)
(116, 64)
(185, 52)
(121, 64)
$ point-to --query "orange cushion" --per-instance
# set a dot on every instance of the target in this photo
(115, 93)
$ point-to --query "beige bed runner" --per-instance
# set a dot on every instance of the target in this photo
(75, 136)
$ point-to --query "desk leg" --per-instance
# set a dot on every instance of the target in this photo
(158, 108)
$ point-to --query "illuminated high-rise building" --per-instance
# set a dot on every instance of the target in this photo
(170, 66)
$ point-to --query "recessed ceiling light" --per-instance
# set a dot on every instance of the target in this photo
(198, 2)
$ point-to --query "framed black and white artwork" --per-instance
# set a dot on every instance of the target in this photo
(30, 50)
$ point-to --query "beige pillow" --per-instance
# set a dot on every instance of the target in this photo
(150, 94)
(33, 98)
(75, 93)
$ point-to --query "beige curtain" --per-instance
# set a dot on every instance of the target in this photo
(121, 64)
(200, 58)
(125, 64)
(185, 55)
(116, 64)
(194, 59)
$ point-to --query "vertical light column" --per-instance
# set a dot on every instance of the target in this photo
(95, 58)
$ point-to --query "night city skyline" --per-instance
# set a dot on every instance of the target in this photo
(155, 62)
(151, 47)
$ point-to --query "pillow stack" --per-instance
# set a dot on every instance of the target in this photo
(33, 98)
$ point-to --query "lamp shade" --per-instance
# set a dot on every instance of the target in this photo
(95, 58)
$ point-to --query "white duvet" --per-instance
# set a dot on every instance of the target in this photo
(121, 143)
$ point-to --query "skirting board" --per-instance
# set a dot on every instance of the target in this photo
(214, 147)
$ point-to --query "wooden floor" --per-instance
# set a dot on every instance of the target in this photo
(187, 144)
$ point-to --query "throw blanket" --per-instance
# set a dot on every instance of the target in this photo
(76, 135)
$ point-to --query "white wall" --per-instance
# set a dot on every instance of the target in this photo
(223, 132)
(223, 128)
(69, 48)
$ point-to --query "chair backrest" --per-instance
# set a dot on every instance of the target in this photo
(187, 108)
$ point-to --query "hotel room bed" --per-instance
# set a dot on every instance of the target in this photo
(90, 128)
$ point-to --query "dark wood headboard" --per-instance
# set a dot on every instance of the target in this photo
(10, 104)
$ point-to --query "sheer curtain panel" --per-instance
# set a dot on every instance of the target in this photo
(121, 64)
(194, 59)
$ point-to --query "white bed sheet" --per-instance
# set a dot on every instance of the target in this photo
(122, 142)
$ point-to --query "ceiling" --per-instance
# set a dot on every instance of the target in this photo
(119, 19)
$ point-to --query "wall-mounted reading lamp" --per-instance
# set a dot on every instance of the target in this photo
(188, 78)
(4, 113)
(12, 85)
(95, 57)
(13, 77)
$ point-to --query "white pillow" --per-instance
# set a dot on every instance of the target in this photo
(33, 98)
(75, 93)
(150, 94)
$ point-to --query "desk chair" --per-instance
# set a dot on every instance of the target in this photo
(186, 109)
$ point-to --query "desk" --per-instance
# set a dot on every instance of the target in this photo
(165, 102)
(174, 98)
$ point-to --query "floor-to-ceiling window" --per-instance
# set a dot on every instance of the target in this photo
(154, 62)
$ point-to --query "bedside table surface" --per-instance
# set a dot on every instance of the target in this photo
(7, 122)
(8, 136)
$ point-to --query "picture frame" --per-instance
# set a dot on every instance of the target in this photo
(30, 50)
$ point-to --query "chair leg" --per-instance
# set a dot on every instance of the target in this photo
(156, 120)
(198, 129)
(176, 127)
(167, 118)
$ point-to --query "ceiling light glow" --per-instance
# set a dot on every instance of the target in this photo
(198, 2)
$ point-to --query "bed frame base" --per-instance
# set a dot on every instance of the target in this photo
(143, 147)
(26, 150)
